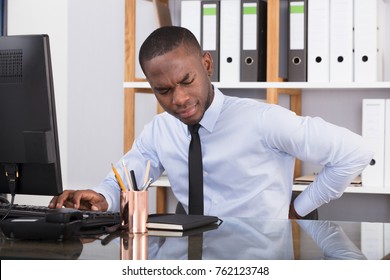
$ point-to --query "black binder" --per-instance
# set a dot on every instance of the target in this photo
(210, 12)
(253, 56)
(297, 51)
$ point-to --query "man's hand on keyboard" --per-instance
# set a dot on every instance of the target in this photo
(81, 199)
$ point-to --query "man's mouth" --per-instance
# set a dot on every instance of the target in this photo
(188, 112)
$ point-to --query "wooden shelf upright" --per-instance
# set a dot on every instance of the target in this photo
(129, 92)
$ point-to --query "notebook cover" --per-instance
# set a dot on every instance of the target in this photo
(179, 222)
(181, 233)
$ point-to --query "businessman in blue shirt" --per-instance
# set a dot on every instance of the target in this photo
(248, 147)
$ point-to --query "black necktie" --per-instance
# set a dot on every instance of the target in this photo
(195, 171)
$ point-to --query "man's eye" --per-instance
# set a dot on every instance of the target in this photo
(162, 91)
(188, 82)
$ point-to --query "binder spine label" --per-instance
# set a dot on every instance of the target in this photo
(249, 13)
(210, 33)
(297, 25)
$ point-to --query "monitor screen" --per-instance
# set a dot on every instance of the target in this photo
(29, 151)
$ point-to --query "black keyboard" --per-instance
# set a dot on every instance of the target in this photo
(91, 221)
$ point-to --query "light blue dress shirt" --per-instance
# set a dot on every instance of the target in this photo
(249, 150)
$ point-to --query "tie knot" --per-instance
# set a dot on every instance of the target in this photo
(194, 128)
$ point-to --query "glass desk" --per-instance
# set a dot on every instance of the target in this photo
(235, 238)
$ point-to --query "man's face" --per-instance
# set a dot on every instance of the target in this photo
(180, 81)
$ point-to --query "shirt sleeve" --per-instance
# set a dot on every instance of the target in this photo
(342, 154)
(136, 159)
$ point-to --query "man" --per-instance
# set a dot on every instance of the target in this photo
(248, 148)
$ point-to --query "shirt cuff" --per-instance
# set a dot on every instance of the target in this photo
(113, 204)
(303, 205)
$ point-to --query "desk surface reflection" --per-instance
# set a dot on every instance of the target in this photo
(235, 238)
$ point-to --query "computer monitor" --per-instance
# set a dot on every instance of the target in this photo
(29, 150)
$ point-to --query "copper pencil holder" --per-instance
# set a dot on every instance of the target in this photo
(134, 210)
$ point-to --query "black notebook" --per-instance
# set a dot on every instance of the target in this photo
(180, 222)
(182, 233)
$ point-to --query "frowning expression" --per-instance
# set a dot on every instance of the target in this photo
(180, 81)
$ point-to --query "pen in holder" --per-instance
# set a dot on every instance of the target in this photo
(134, 210)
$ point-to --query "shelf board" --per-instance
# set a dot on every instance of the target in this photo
(353, 189)
(287, 85)
(164, 182)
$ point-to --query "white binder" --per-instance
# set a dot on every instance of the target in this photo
(318, 41)
(387, 144)
(368, 55)
(190, 16)
(229, 70)
(373, 131)
(341, 40)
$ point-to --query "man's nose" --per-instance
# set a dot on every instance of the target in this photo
(180, 95)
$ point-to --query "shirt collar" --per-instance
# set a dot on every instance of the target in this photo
(212, 113)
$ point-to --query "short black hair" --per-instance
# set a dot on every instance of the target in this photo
(166, 39)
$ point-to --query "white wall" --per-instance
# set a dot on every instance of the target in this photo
(87, 48)
(95, 93)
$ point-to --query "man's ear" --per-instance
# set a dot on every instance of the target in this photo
(208, 63)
